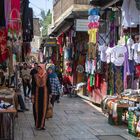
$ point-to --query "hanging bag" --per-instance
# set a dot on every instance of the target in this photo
(49, 113)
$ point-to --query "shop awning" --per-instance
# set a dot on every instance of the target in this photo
(104, 3)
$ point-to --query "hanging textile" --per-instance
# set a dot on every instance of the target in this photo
(3, 45)
(118, 80)
(110, 79)
(14, 20)
(7, 11)
(2, 14)
(112, 29)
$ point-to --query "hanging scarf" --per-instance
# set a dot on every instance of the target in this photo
(3, 45)
(41, 76)
(42, 71)
(53, 74)
(14, 21)
(7, 4)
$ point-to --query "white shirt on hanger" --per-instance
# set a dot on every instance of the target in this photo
(136, 53)
(108, 54)
(131, 15)
(118, 55)
(103, 56)
(130, 43)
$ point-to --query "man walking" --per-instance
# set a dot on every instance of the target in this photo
(25, 75)
(33, 73)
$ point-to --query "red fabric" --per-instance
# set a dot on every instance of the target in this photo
(61, 50)
(67, 80)
(60, 39)
(138, 70)
(15, 22)
(69, 69)
(98, 79)
(89, 88)
(3, 45)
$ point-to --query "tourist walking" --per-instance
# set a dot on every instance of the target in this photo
(33, 73)
(40, 97)
(54, 86)
(26, 78)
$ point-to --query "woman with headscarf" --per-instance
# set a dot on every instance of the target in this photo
(40, 97)
(54, 86)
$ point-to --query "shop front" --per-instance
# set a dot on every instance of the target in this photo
(12, 23)
(113, 61)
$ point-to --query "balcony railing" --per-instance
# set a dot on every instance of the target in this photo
(61, 6)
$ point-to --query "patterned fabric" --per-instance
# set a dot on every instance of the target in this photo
(7, 10)
(14, 22)
(55, 86)
(118, 80)
(3, 45)
(110, 80)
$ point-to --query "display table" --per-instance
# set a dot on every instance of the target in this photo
(7, 118)
(9, 95)
(133, 99)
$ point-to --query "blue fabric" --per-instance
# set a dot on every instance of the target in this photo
(93, 11)
(55, 86)
(52, 75)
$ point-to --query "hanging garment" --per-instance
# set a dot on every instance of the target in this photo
(93, 11)
(93, 25)
(136, 53)
(126, 68)
(14, 19)
(3, 45)
(98, 80)
(103, 56)
(130, 14)
(118, 55)
(93, 18)
(93, 35)
(137, 67)
(92, 80)
(118, 80)
(110, 79)
(7, 11)
(91, 51)
(112, 34)
(108, 55)
(68, 53)
(89, 88)
(2, 13)
(130, 43)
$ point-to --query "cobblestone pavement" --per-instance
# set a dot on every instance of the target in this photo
(73, 119)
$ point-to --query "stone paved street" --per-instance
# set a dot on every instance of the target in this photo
(73, 119)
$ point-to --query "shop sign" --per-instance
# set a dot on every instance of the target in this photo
(82, 25)
(51, 42)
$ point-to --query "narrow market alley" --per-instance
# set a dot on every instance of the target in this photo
(74, 119)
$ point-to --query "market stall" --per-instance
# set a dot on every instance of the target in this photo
(8, 111)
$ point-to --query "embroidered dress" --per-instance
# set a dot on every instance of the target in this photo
(40, 100)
